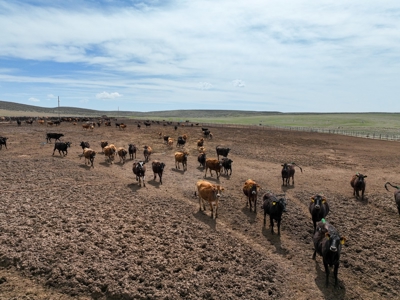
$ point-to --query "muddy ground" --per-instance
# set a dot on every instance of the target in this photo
(68, 231)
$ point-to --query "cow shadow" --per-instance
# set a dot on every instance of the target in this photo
(105, 164)
(204, 217)
(135, 186)
(181, 171)
(285, 188)
(274, 239)
(156, 183)
(251, 215)
(84, 166)
(329, 292)
(362, 201)
(209, 178)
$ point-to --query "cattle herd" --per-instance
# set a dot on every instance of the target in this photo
(326, 238)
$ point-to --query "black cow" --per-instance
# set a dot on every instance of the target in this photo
(57, 122)
(288, 172)
(222, 151)
(396, 194)
(166, 137)
(158, 168)
(62, 147)
(227, 165)
(138, 126)
(274, 207)
(147, 124)
(55, 136)
(3, 141)
(132, 150)
(139, 169)
(180, 142)
(319, 209)
(19, 122)
(176, 127)
(204, 129)
(84, 145)
(358, 184)
(202, 159)
(328, 243)
(207, 133)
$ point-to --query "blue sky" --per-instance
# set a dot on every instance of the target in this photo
(287, 56)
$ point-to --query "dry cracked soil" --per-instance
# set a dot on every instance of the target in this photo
(68, 231)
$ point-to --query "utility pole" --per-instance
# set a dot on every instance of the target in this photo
(59, 108)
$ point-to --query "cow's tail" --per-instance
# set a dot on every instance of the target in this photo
(294, 164)
(390, 185)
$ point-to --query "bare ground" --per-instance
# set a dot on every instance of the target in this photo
(68, 231)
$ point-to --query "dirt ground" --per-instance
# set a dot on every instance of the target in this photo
(68, 231)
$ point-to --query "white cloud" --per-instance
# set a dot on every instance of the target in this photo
(205, 85)
(238, 83)
(51, 96)
(32, 99)
(106, 95)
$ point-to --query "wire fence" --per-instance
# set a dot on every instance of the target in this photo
(388, 136)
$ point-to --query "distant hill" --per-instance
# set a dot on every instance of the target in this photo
(74, 111)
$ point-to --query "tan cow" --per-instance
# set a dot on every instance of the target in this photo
(41, 122)
(214, 165)
(181, 157)
(122, 126)
(122, 152)
(89, 155)
(200, 142)
(211, 193)
(251, 189)
(170, 142)
(147, 152)
(109, 153)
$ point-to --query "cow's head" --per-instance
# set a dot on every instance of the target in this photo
(361, 176)
(335, 241)
(68, 144)
(318, 200)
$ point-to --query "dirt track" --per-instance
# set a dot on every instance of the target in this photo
(71, 232)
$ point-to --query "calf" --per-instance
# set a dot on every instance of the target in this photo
(210, 193)
(89, 155)
(147, 152)
(52, 135)
(274, 207)
(222, 151)
(358, 184)
(170, 142)
(62, 147)
(132, 150)
(214, 165)
(109, 153)
(250, 189)
(202, 160)
(227, 165)
(3, 141)
(288, 172)
(122, 154)
(396, 194)
(158, 168)
(139, 169)
(318, 208)
(328, 243)
(181, 157)
(200, 142)
(84, 145)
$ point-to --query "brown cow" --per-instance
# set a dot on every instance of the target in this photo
(86, 126)
(147, 152)
(89, 155)
(109, 153)
(250, 189)
(200, 142)
(122, 154)
(358, 184)
(211, 193)
(214, 165)
(122, 126)
(181, 157)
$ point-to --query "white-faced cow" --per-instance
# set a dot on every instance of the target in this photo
(318, 208)
(358, 184)
(139, 169)
(210, 193)
(396, 194)
(328, 243)
(288, 172)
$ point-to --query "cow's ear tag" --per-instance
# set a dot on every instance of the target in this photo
(323, 221)
(274, 203)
